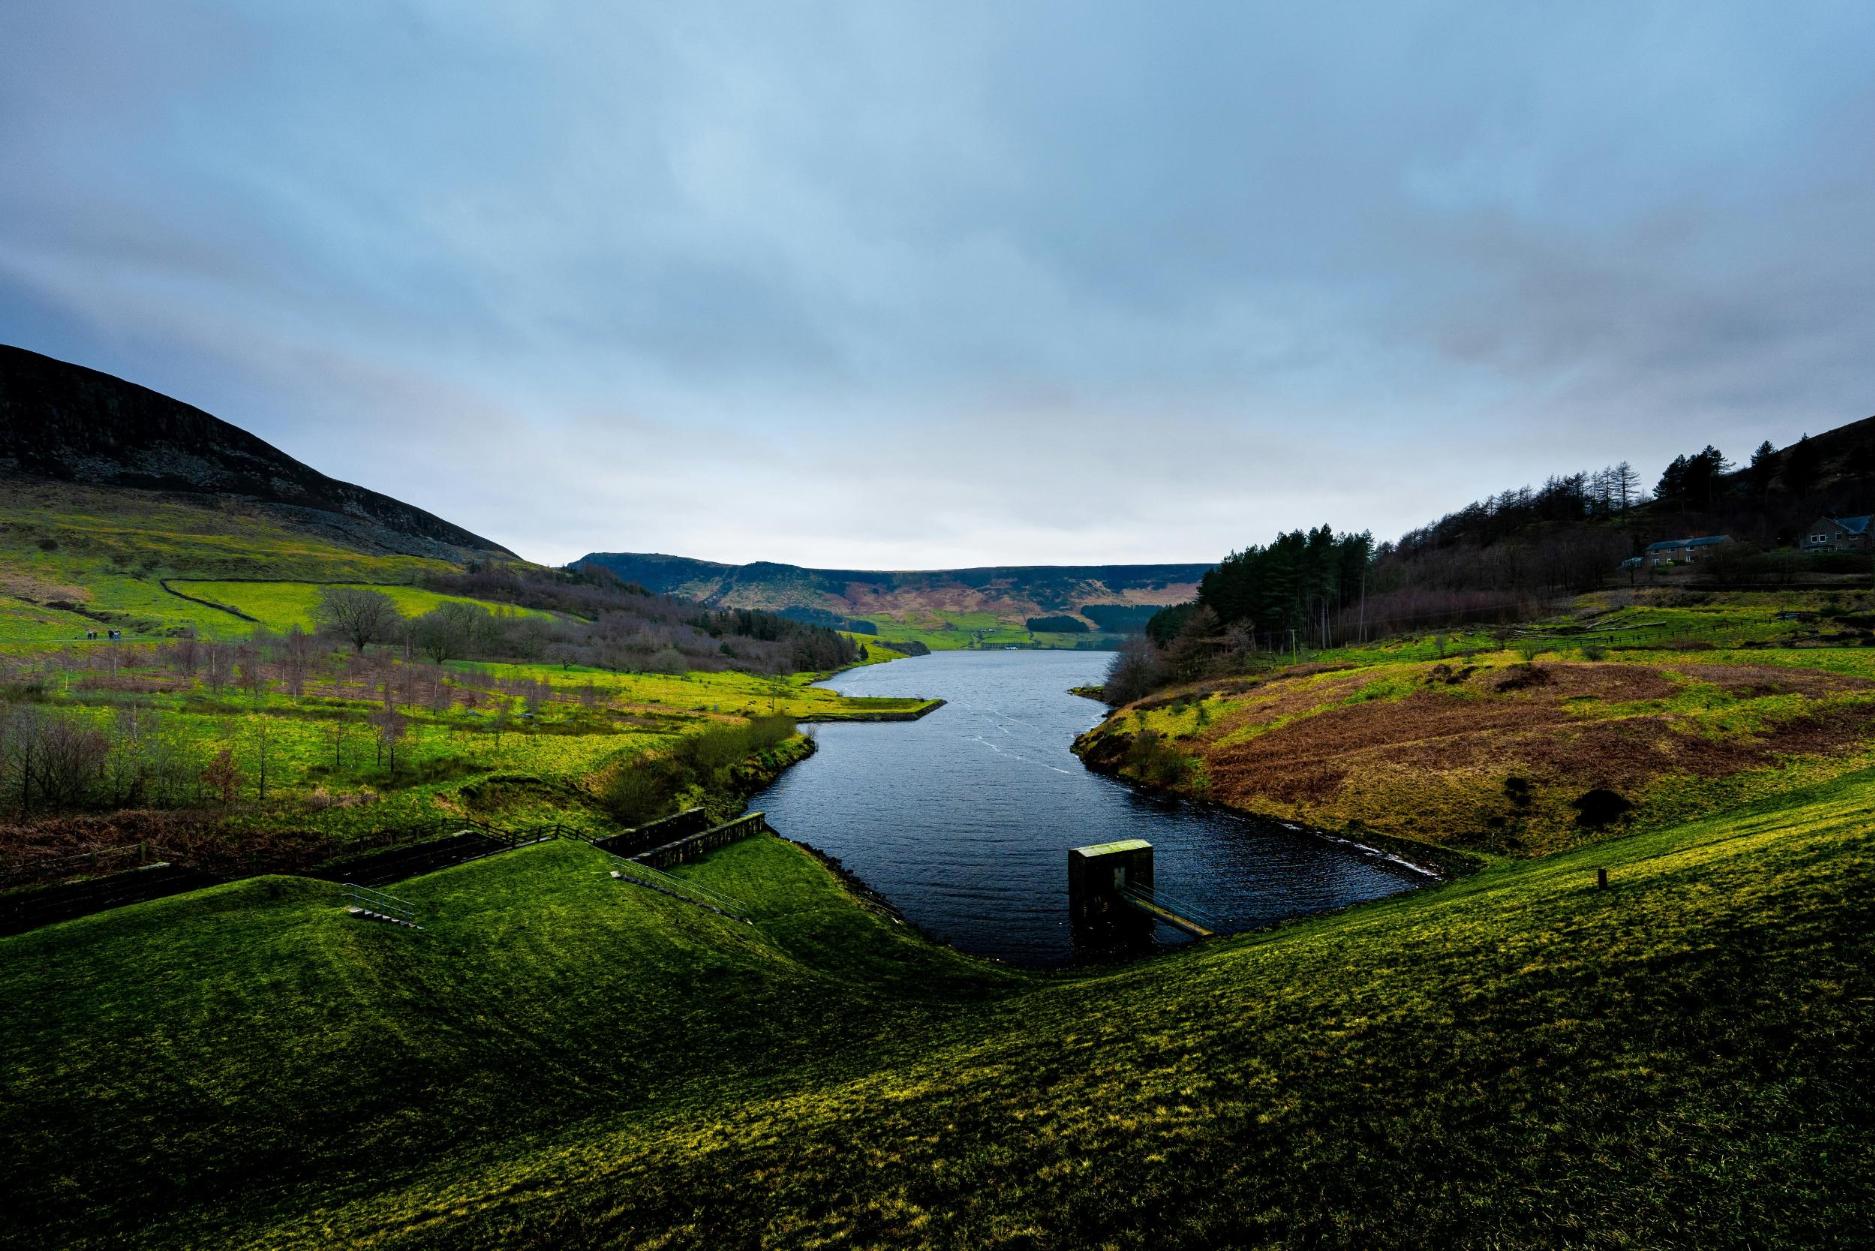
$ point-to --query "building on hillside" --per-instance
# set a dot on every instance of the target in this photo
(1684, 551)
(1837, 534)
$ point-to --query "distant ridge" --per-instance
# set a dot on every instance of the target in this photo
(1012, 593)
(68, 423)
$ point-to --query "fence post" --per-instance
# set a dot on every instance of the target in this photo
(1601, 879)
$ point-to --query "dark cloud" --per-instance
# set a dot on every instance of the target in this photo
(951, 283)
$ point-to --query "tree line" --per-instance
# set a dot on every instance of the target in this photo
(1498, 559)
(601, 620)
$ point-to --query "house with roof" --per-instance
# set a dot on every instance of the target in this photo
(1684, 551)
(1837, 534)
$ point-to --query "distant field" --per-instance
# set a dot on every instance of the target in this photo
(951, 631)
(282, 605)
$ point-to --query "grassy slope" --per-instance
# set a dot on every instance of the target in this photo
(562, 1061)
(1392, 738)
(283, 605)
(729, 693)
(108, 550)
(948, 631)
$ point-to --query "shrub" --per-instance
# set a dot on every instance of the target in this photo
(649, 787)
(1135, 670)
(1155, 761)
(1057, 625)
(642, 790)
(1524, 677)
(1600, 807)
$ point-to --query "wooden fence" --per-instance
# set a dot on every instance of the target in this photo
(693, 846)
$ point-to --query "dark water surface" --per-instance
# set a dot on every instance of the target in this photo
(964, 819)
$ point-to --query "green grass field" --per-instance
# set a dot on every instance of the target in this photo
(327, 773)
(949, 631)
(283, 605)
(107, 551)
(560, 1060)
(731, 692)
(536, 748)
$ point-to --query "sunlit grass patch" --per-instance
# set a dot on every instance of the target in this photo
(283, 605)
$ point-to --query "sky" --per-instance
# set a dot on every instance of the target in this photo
(928, 285)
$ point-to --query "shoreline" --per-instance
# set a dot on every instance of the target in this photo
(1434, 860)
(1432, 864)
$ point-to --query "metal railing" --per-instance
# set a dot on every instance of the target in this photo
(378, 904)
(637, 873)
(1159, 903)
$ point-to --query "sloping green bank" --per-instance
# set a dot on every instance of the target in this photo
(558, 1060)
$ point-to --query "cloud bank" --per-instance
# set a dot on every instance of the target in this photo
(914, 286)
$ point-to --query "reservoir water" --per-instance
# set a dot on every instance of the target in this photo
(964, 819)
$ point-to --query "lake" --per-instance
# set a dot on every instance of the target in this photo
(964, 819)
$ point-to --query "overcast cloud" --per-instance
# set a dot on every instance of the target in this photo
(927, 285)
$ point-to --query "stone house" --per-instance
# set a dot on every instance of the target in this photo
(1837, 534)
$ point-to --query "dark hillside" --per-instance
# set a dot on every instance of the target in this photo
(1505, 556)
(67, 423)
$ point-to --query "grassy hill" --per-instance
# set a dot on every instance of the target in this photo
(65, 423)
(561, 1060)
(942, 609)
(1666, 707)
(74, 557)
(109, 492)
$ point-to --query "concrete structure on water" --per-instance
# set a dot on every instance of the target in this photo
(1099, 879)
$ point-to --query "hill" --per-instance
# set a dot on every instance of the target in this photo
(562, 1060)
(941, 607)
(1624, 716)
(125, 510)
(66, 423)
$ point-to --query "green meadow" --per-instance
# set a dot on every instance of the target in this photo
(107, 552)
(950, 631)
(283, 605)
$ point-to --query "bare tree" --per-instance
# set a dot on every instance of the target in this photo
(357, 614)
(71, 758)
(249, 674)
(223, 775)
(391, 727)
(1626, 485)
(263, 750)
(217, 665)
(296, 657)
(450, 631)
(1135, 670)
